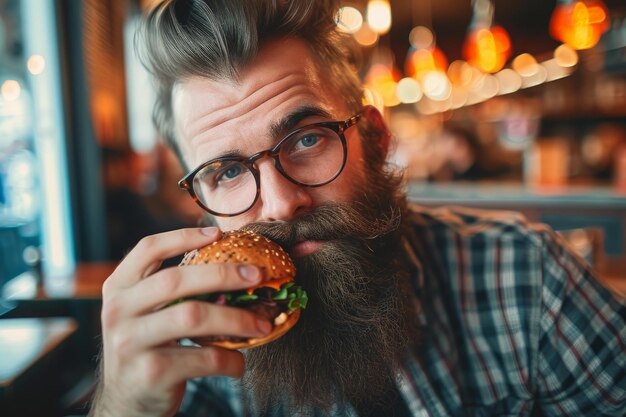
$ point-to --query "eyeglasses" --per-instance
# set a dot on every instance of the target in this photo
(311, 156)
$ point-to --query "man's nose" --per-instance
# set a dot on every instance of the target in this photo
(281, 199)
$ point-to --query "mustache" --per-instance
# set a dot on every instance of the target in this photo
(332, 221)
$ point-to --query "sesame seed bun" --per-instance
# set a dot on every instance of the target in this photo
(277, 269)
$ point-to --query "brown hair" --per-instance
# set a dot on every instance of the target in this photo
(217, 38)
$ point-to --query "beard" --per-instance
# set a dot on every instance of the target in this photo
(359, 321)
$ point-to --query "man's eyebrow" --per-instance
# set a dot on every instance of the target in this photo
(290, 121)
(283, 126)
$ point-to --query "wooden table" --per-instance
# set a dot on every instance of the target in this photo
(47, 358)
(26, 341)
(88, 279)
(85, 283)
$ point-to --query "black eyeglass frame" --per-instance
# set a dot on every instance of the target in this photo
(338, 127)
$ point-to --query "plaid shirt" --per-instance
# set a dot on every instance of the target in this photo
(513, 325)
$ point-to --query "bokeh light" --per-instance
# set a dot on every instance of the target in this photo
(422, 61)
(580, 24)
(366, 36)
(379, 16)
(349, 19)
(36, 64)
(408, 90)
(436, 86)
(421, 37)
(509, 81)
(11, 90)
(460, 73)
(526, 65)
(566, 56)
(487, 49)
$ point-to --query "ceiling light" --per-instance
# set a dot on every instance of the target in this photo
(579, 23)
(379, 16)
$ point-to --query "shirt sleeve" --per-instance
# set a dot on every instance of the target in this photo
(581, 362)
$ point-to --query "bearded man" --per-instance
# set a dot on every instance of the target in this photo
(412, 312)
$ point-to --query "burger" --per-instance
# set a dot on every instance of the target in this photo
(278, 299)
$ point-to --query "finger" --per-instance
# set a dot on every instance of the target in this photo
(173, 283)
(196, 319)
(172, 365)
(151, 269)
(152, 250)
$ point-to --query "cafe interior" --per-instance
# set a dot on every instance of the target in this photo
(493, 104)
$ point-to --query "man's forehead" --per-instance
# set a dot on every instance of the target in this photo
(277, 59)
(283, 76)
(205, 109)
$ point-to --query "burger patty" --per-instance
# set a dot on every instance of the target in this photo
(265, 310)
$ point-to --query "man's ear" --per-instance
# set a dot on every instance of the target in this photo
(376, 123)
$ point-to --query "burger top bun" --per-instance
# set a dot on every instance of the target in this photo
(244, 246)
(282, 308)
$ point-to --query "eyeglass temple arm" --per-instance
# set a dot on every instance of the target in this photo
(352, 121)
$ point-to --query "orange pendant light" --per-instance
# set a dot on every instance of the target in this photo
(579, 23)
(487, 47)
(421, 61)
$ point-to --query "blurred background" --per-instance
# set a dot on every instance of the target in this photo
(516, 105)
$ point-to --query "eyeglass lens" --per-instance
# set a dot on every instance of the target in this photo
(312, 156)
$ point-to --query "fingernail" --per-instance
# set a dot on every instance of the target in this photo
(249, 272)
(264, 326)
(209, 231)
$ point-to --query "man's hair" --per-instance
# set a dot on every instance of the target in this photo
(215, 39)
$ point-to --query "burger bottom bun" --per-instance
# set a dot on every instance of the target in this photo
(276, 332)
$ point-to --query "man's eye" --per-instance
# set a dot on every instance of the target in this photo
(308, 140)
(231, 172)
(227, 174)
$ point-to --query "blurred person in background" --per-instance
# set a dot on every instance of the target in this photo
(413, 311)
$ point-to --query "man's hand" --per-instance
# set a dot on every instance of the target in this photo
(143, 369)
